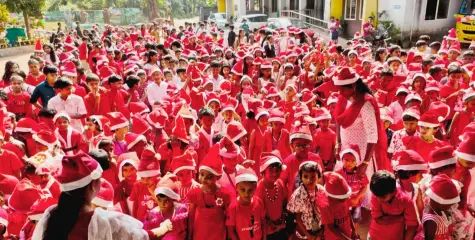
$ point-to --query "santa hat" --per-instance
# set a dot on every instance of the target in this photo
(212, 161)
(139, 125)
(47, 138)
(332, 99)
(245, 175)
(105, 196)
(413, 112)
(442, 157)
(117, 120)
(300, 131)
(157, 118)
(179, 130)
(322, 114)
(212, 97)
(409, 160)
(441, 109)
(455, 47)
(69, 69)
(130, 158)
(131, 139)
(336, 186)
(432, 86)
(228, 106)
(39, 47)
(168, 186)
(245, 78)
(402, 89)
(238, 68)
(386, 114)
(78, 171)
(39, 207)
(138, 107)
(266, 65)
(103, 122)
(357, 35)
(411, 97)
(63, 115)
(24, 196)
(261, 112)
(345, 76)
(105, 73)
(130, 68)
(465, 150)
(65, 56)
(443, 190)
(235, 131)
(470, 93)
(300, 110)
(276, 115)
(149, 165)
(429, 119)
(269, 158)
(184, 162)
(25, 125)
(452, 34)
(307, 96)
(352, 149)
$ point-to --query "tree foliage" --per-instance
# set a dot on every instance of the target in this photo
(4, 14)
(29, 7)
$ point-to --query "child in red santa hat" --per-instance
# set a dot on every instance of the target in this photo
(256, 139)
(184, 167)
(273, 193)
(246, 216)
(462, 118)
(127, 174)
(205, 134)
(36, 213)
(465, 162)
(324, 139)
(71, 140)
(209, 202)
(276, 137)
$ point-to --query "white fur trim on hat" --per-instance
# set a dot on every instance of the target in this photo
(4, 221)
(122, 163)
(95, 174)
(209, 170)
(269, 162)
(338, 82)
(35, 217)
(246, 177)
(465, 156)
(301, 135)
(440, 200)
(148, 173)
(344, 196)
(467, 96)
(260, 114)
(224, 153)
(228, 109)
(387, 118)
(238, 136)
(102, 203)
(65, 115)
(353, 152)
(167, 192)
(277, 119)
(432, 89)
(120, 125)
(412, 114)
(323, 117)
(426, 124)
(156, 125)
(288, 65)
(138, 139)
(245, 77)
(442, 163)
(36, 138)
(411, 167)
(184, 168)
(72, 74)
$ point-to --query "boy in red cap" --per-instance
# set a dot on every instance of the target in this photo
(35, 214)
(184, 167)
(276, 137)
(119, 125)
(206, 132)
(71, 140)
(324, 139)
(18, 100)
(410, 117)
(127, 173)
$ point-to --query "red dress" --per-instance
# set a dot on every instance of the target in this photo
(423, 148)
(274, 200)
(210, 217)
(245, 219)
(19, 104)
(258, 147)
(71, 141)
(205, 143)
(458, 125)
(280, 144)
(324, 142)
(10, 163)
(34, 81)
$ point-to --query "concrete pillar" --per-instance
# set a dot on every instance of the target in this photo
(303, 4)
(221, 5)
(336, 8)
(251, 5)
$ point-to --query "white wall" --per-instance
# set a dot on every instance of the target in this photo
(439, 24)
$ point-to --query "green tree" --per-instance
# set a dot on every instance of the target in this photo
(4, 17)
(27, 7)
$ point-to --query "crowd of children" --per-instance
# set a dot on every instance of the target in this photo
(131, 133)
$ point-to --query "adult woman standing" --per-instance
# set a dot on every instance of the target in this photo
(358, 121)
(74, 216)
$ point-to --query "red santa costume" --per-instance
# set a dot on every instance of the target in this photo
(35, 214)
(281, 143)
(71, 140)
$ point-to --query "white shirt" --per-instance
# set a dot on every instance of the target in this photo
(216, 81)
(73, 105)
(155, 92)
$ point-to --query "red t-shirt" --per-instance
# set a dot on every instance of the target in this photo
(143, 200)
(289, 175)
(19, 104)
(354, 180)
(7, 183)
(247, 220)
(366, 27)
(34, 81)
(10, 163)
(338, 215)
(401, 205)
(274, 200)
(423, 148)
(325, 143)
(83, 51)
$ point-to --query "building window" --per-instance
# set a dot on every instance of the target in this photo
(274, 5)
(350, 9)
(437, 9)
(361, 9)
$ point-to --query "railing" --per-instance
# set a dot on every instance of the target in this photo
(315, 22)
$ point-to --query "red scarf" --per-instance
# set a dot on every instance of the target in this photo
(345, 117)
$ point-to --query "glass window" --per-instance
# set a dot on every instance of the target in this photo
(467, 7)
(439, 9)
(274, 5)
(361, 9)
(443, 9)
(350, 9)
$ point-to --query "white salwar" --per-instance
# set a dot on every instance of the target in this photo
(104, 225)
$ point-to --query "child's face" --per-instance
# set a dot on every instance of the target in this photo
(207, 121)
(277, 126)
(109, 149)
(264, 121)
(122, 131)
(289, 92)
(272, 172)
(300, 146)
(466, 164)
(91, 126)
(62, 123)
(323, 124)
(410, 126)
(246, 191)
(168, 77)
(215, 106)
(246, 84)
(65, 92)
(470, 104)
(427, 132)
(207, 178)
(17, 85)
(309, 179)
(289, 72)
(468, 59)
(208, 87)
(228, 115)
(387, 124)
(226, 70)
(34, 68)
(165, 203)
(116, 85)
(453, 77)
(149, 181)
(349, 162)
(185, 176)
(385, 81)
(40, 147)
(394, 66)
(156, 76)
(129, 172)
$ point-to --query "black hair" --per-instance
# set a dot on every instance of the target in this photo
(47, 113)
(94, 120)
(217, 137)
(345, 52)
(183, 145)
(215, 64)
(310, 167)
(386, 73)
(29, 169)
(132, 80)
(436, 171)
(360, 87)
(52, 53)
(454, 69)
(425, 37)
(394, 48)
(434, 69)
(180, 69)
(408, 118)
(250, 115)
(435, 45)
(8, 72)
(382, 183)
(150, 54)
(62, 83)
(92, 77)
(403, 53)
(468, 53)
(50, 69)
(64, 216)
(205, 111)
(427, 61)
(114, 78)
(405, 175)
(421, 43)
(33, 61)
(101, 157)
(104, 143)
